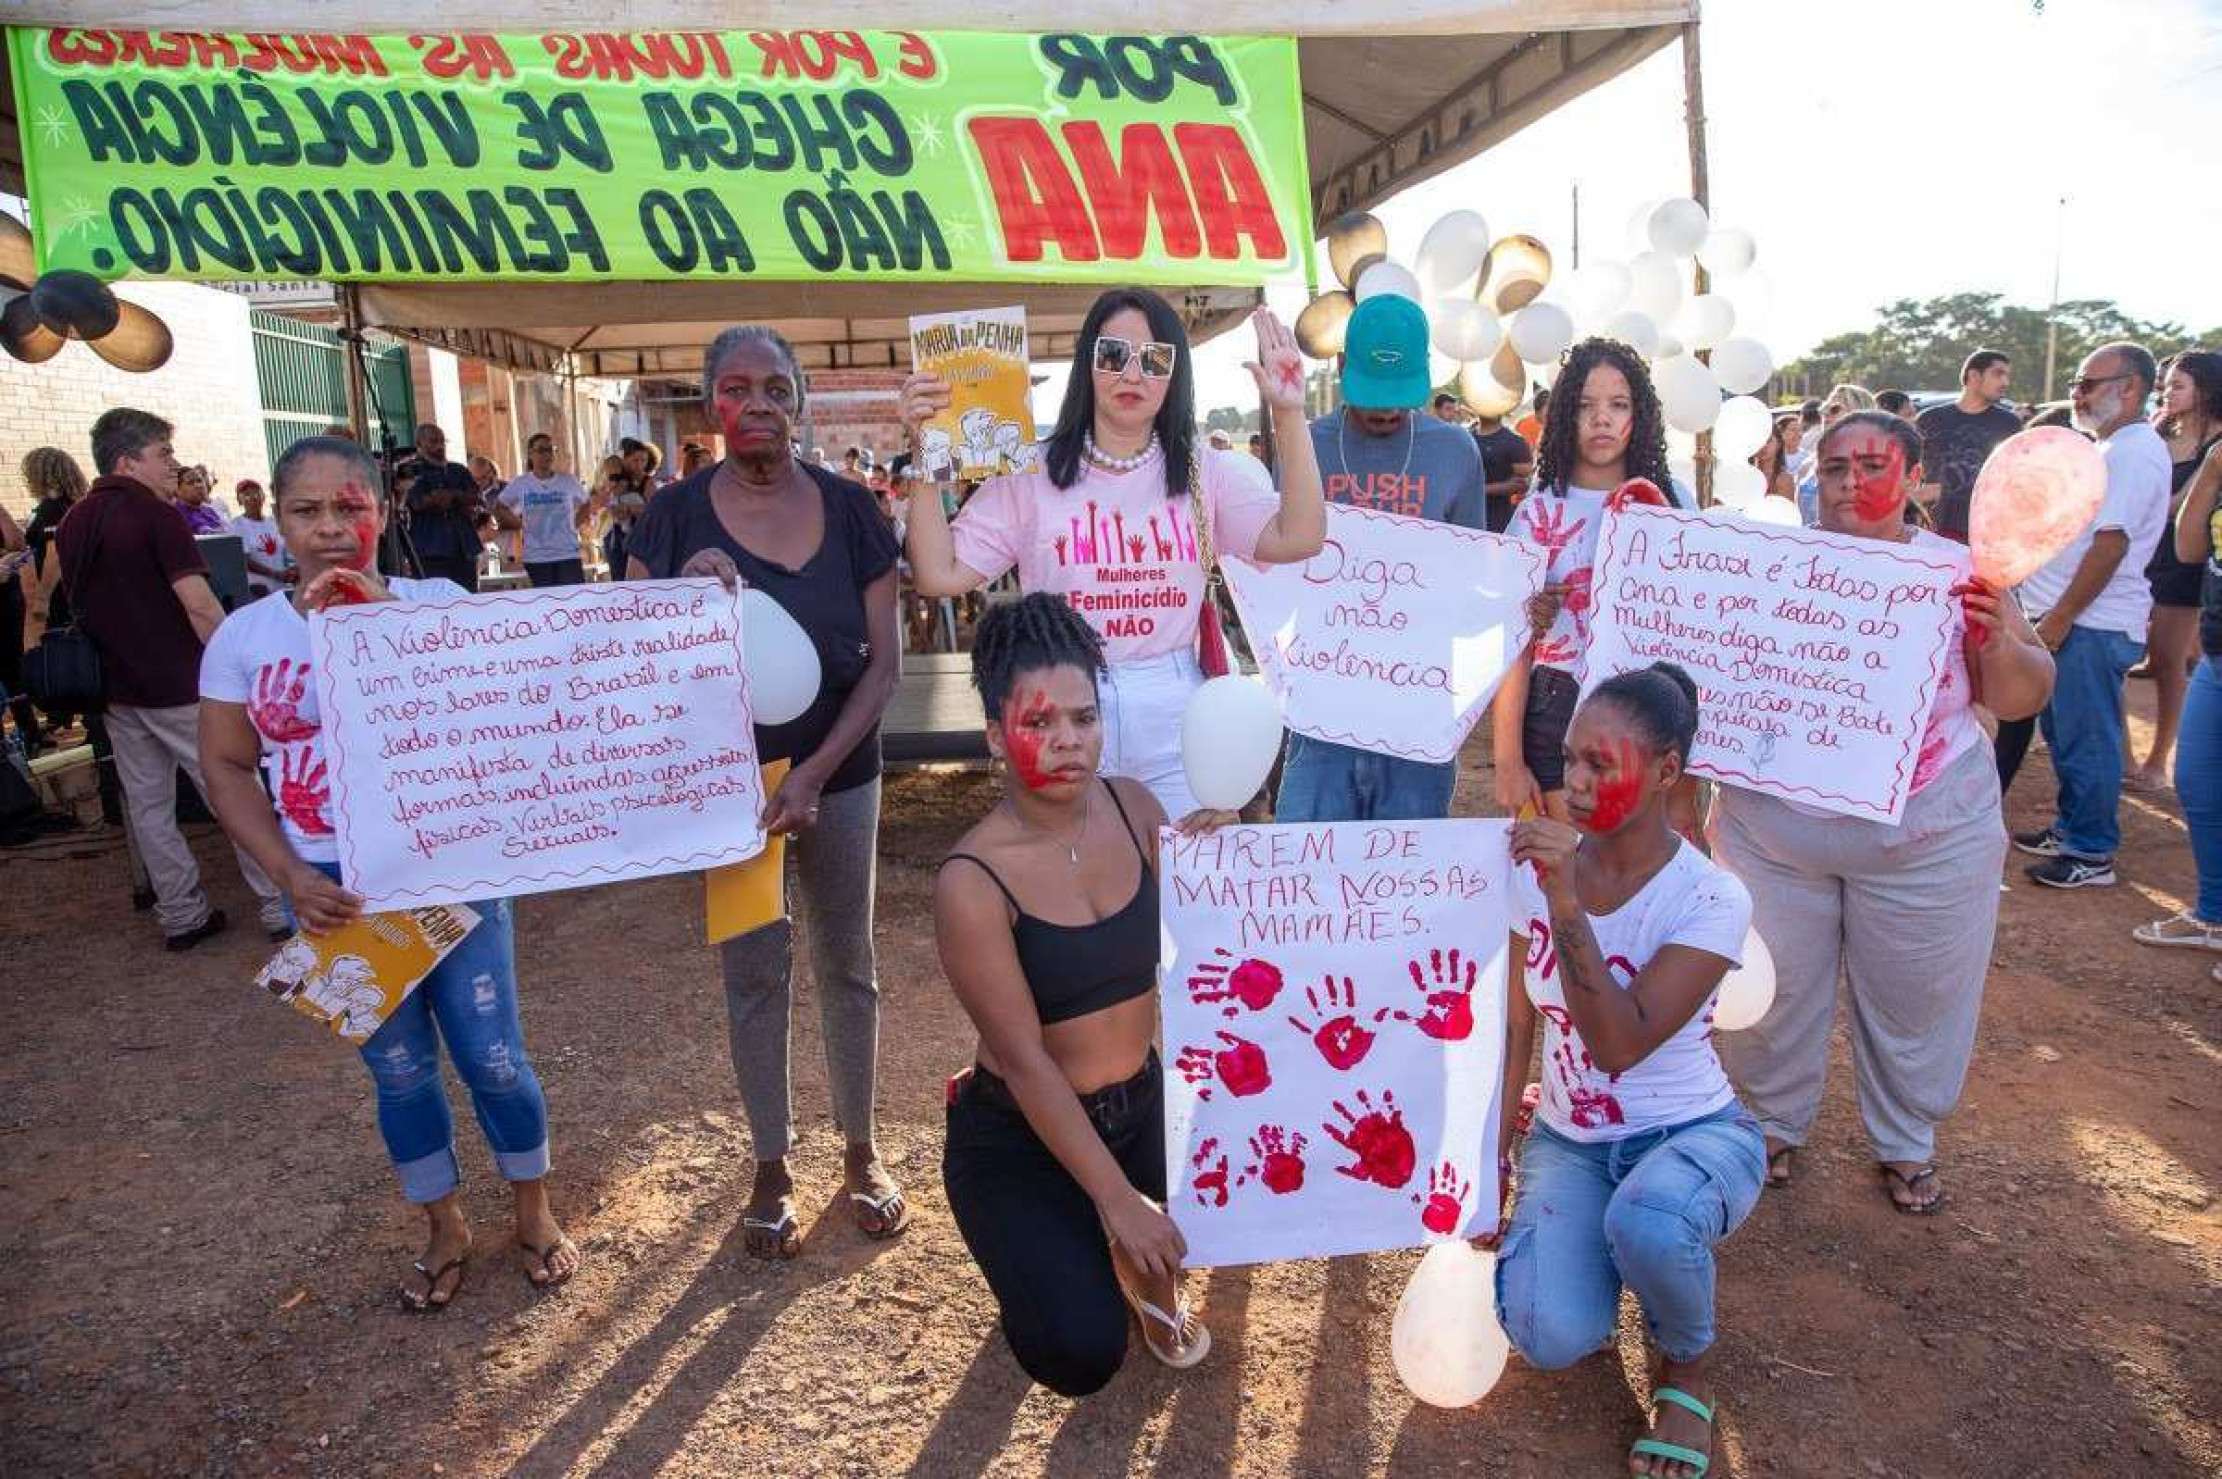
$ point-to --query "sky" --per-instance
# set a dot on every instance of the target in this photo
(1883, 149)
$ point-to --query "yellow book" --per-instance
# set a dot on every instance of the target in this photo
(354, 978)
(989, 426)
(748, 895)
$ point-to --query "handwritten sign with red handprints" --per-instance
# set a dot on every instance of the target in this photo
(1395, 635)
(523, 741)
(1333, 1011)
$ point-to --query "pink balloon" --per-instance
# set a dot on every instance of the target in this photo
(2036, 493)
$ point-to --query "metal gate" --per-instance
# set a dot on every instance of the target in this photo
(304, 383)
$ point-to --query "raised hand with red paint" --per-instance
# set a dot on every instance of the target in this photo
(1246, 983)
(1443, 1210)
(1240, 1066)
(1339, 1038)
(1277, 1159)
(281, 688)
(1448, 986)
(1636, 493)
(343, 587)
(1376, 1136)
(1210, 1179)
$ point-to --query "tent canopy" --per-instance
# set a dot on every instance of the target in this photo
(1395, 92)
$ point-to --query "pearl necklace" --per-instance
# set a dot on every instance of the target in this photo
(1110, 463)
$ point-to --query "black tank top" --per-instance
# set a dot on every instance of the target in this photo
(1075, 969)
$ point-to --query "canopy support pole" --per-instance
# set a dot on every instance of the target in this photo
(358, 397)
(1701, 191)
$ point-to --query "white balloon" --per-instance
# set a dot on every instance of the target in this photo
(1446, 1344)
(1229, 737)
(1639, 223)
(1655, 286)
(1464, 329)
(1600, 289)
(1540, 333)
(1452, 252)
(1677, 227)
(1705, 320)
(1728, 250)
(1688, 394)
(1743, 428)
(1747, 991)
(782, 661)
(1670, 348)
(1738, 485)
(1742, 365)
(1783, 511)
(1636, 330)
(1387, 277)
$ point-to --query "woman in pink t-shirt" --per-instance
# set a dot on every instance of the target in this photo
(1907, 912)
(1106, 517)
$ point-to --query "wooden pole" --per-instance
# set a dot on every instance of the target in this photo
(1701, 190)
(351, 356)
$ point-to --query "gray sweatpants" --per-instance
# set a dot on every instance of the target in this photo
(1906, 915)
(834, 877)
(150, 746)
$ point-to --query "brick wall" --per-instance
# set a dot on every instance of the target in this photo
(208, 388)
(854, 408)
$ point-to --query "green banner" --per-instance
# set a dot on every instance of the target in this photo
(787, 155)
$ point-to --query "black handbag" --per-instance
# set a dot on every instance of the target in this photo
(63, 672)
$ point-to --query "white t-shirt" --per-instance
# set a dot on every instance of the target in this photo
(1562, 526)
(1691, 901)
(550, 508)
(259, 537)
(259, 657)
(2136, 502)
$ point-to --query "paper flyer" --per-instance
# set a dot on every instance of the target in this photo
(354, 978)
(989, 426)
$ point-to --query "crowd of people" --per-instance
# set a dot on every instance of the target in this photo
(1652, 1139)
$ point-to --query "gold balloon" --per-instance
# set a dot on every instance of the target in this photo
(139, 342)
(1352, 237)
(1517, 272)
(1484, 394)
(1507, 367)
(18, 263)
(22, 335)
(1320, 327)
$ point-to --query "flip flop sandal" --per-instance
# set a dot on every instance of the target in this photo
(427, 1303)
(786, 1237)
(1675, 1452)
(552, 1279)
(1780, 1170)
(891, 1210)
(1179, 1320)
(1913, 1184)
(2180, 931)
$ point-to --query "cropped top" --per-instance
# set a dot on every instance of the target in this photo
(1075, 969)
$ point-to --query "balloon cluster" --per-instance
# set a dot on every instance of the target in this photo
(44, 312)
(1498, 317)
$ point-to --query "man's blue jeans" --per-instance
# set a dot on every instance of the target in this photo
(1644, 1211)
(2199, 782)
(2083, 728)
(1322, 782)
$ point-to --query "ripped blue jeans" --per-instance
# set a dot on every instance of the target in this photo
(472, 996)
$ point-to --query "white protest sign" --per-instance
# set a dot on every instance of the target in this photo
(1393, 637)
(1817, 656)
(517, 742)
(1333, 1001)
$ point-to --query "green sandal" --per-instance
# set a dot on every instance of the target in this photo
(1675, 1452)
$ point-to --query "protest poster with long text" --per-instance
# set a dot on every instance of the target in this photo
(810, 155)
(1817, 656)
(1333, 1002)
(1393, 637)
(523, 741)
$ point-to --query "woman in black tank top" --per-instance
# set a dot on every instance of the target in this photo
(1046, 918)
(2190, 419)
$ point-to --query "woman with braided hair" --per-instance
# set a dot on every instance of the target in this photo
(1046, 919)
(1603, 427)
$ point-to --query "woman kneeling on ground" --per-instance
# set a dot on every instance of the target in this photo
(1046, 917)
(258, 706)
(1641, 1161)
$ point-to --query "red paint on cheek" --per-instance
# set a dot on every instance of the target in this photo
(361, 512)
(1884, 493)
(1619, 794)
(1024, 743)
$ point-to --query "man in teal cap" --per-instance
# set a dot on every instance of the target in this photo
(1381, 451)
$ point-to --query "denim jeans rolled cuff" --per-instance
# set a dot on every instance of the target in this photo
(1326, 782)
(1646, 1212)
(2199, 783)
(2083, 728)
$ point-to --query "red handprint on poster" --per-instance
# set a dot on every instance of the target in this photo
(274, 708)
(1377, 1137)
(1339, 1038)
(1210, 1181)
(1444, 1209)
(1249, 983)
(1240, 1066)
(1277, 1159)
(1448, 986)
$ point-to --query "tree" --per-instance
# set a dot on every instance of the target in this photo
(1918, 345)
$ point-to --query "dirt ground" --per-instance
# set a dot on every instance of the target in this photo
(201, 1239)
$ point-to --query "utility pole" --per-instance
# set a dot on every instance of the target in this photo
(2052, 314)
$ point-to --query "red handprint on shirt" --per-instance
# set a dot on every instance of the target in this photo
(1210, 1181)
(1550, 526)
(274, 708)
(1277, 1160)
(1589, 1108)
(1377, 1137)
(1253, 983)
(1445, 1206)
(1448, 986)
(1340, 1040)
(1240, 1065)
(303, 791)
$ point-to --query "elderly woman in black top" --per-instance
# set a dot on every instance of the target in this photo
(813, 542)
